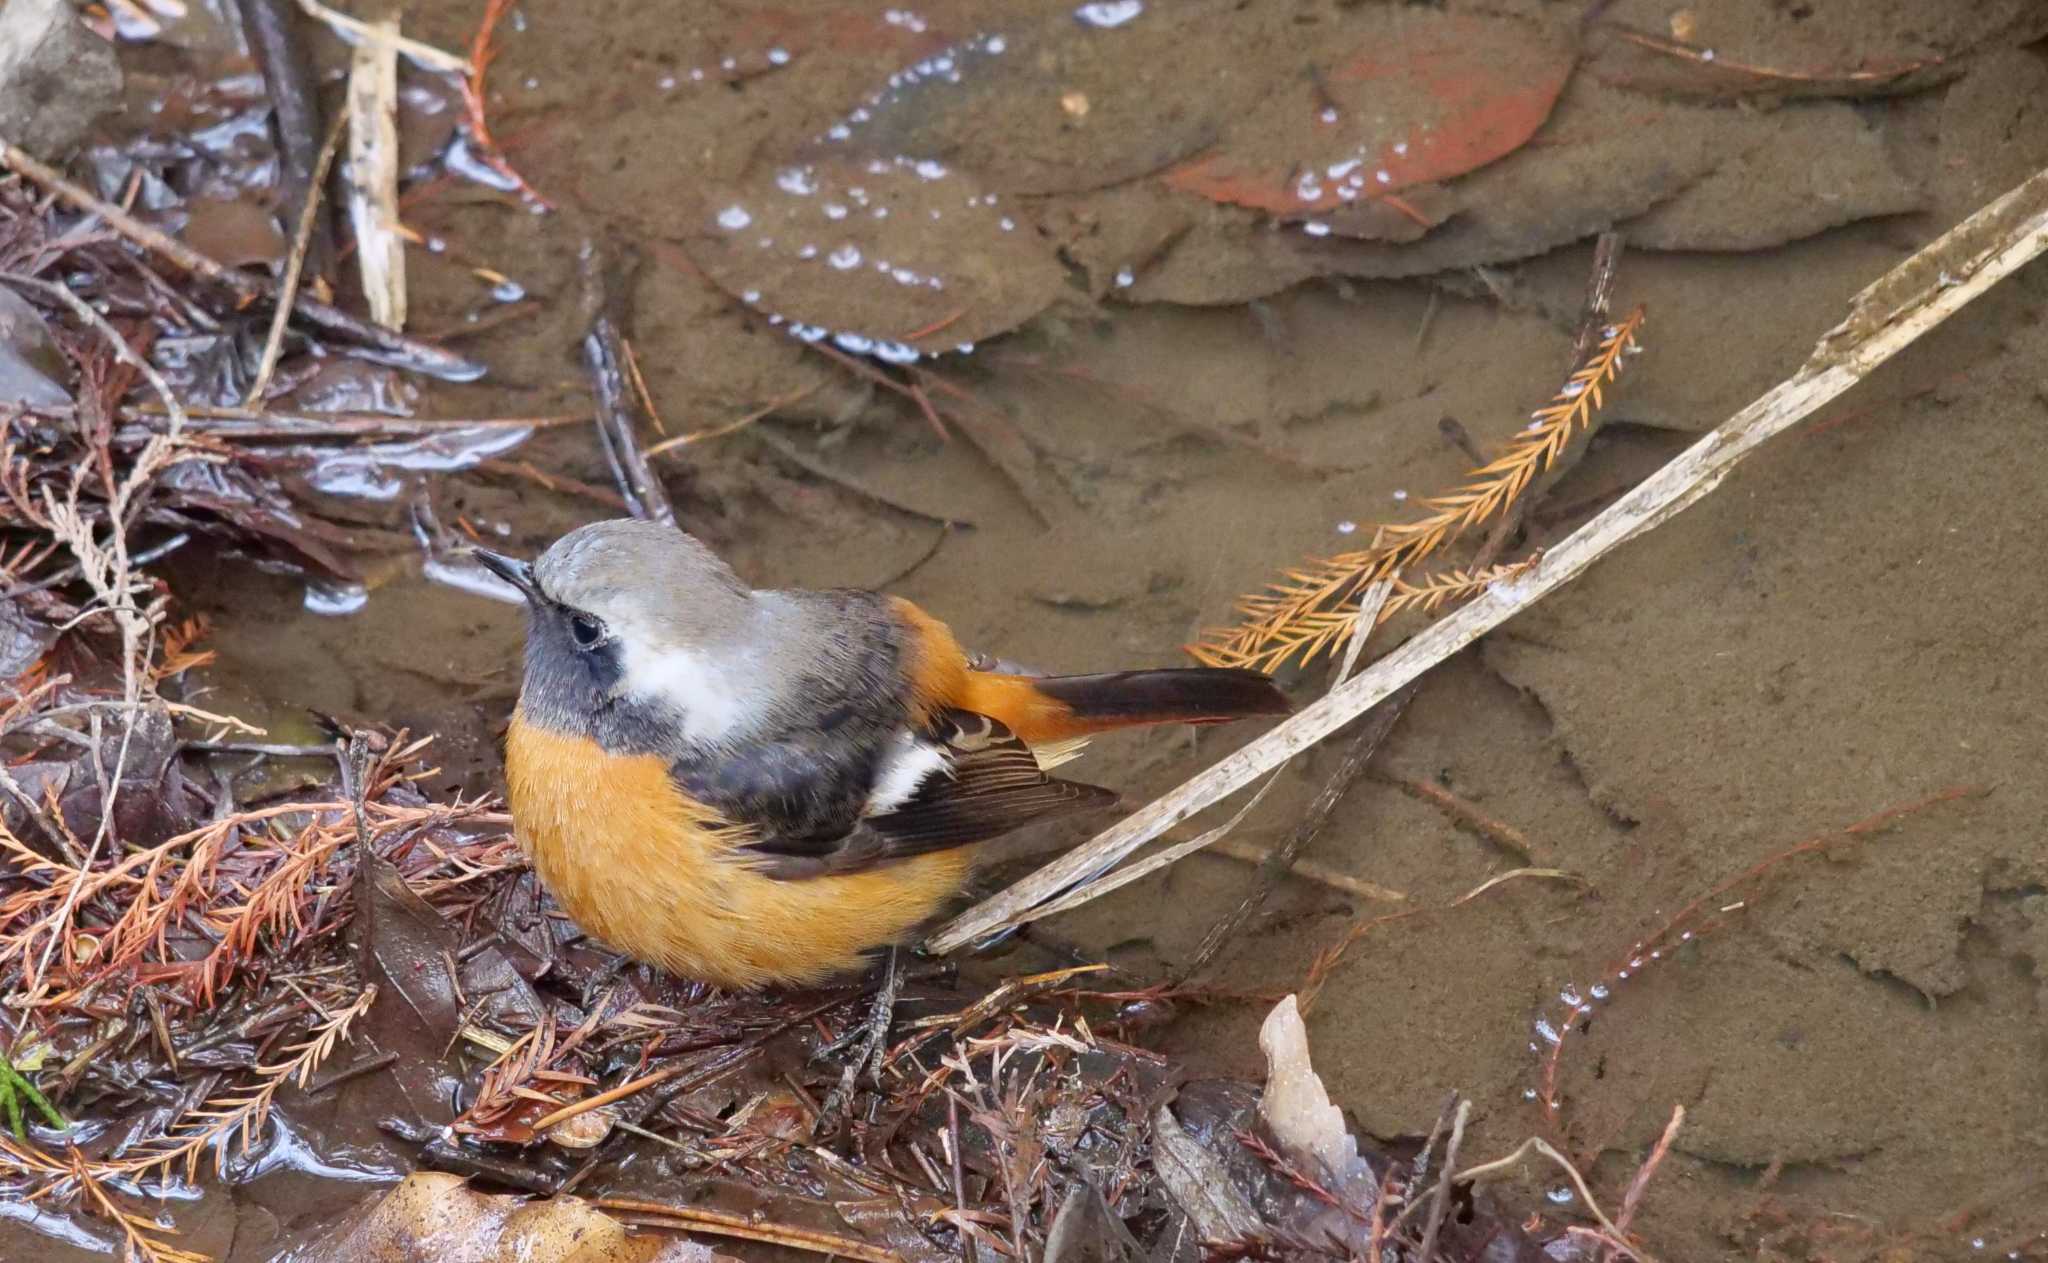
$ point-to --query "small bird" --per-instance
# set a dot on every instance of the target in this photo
(760, 787)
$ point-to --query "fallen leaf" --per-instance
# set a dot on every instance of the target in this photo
(1416, 97)
(892, 257)
(432, 1217)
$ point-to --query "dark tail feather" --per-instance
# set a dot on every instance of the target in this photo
(1186, 695)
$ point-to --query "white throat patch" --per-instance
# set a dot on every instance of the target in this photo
(714, 699)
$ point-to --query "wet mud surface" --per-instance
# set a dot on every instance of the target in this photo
(1162, 381)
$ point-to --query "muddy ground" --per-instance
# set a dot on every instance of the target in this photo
(1855, 620)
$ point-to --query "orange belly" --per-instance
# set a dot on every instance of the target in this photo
(638, 865)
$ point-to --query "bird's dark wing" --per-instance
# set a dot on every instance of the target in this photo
(993, 784)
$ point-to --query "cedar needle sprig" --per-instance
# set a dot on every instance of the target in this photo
(1314, 605)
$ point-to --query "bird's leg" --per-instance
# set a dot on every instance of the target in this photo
(868, 1058)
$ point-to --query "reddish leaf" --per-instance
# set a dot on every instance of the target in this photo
(1423, 97)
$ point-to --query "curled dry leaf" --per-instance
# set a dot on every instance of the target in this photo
(1297, 1109)
(432, 1217)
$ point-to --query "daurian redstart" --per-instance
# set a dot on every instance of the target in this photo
(754, 787)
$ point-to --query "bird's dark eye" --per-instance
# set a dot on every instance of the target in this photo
(588, 632)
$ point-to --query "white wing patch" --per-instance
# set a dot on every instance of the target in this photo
(903, 773)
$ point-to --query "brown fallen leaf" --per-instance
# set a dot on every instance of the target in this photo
(432, 1217)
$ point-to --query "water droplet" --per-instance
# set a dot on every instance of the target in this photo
(1528, 1094)
(935, 212)
(531, 83)
(1307, 189)
(1329, 114)
(751, 296)
(853, 343)
(1707, 55)
(808, 252)
(437, 245)
(696, 74)
(1977, 1243)
(1383, 176)
(667, 83)
(1316, 228)
(1685, 937)
(881, 212)
(806, 333)
(778, 56)
(730, 63)
(335, 599)
(1400, 495)
(1570, 995)
(965, 348)
(896, 353)
(834, 210)
(1401, 149)
(508, 291)
(1338, 170)
(1621, 975)
(798, 180)
(1560, 1196)
(1635, 962)
(734, 218)
(844, 257)
(904, 276)
(1347, 527)
(997, 45)
(928, 169)
(1547, 1031)
(1109, 14)
(839, 131)
(1125, 278)
(1007, 224)
(1598, 991)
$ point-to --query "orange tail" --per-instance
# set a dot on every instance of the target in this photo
(1057, 708)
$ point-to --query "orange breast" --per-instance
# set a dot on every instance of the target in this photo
(640, 866)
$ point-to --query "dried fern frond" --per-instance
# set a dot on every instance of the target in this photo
(1318, 630)
(216, 1122)
(1305, 613)
(242, 1111)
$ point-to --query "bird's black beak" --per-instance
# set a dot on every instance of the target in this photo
(512, 570)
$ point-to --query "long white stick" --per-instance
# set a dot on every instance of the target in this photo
(1886, 318)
